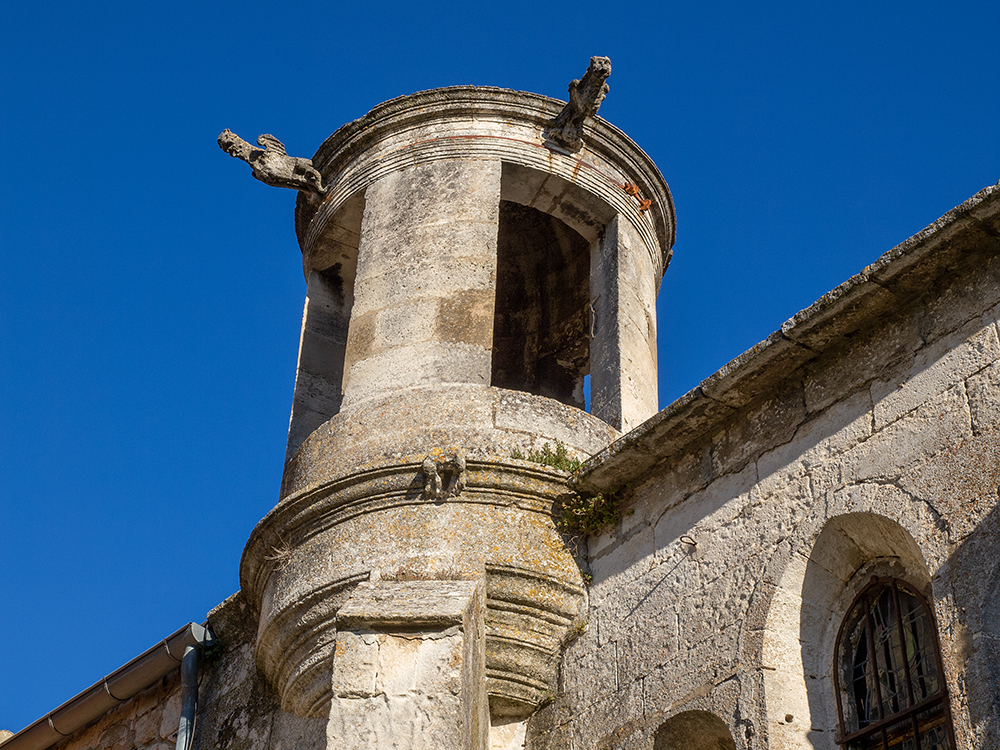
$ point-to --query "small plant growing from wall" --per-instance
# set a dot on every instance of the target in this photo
(580, 513)
(589, 515)
(577, 628)
(281, 554)
(557, 457)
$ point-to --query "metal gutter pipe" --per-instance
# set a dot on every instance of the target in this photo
(115, 689)
(189, 698)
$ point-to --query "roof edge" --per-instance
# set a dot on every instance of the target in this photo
(896, 278)
(114, 690)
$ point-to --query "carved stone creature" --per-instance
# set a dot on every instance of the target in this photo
(585, 97)
(444, 477)
(272, 165)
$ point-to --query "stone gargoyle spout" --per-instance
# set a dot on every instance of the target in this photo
(272, 165)
(585, 97)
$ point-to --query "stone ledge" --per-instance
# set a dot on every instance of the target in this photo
(407, 604)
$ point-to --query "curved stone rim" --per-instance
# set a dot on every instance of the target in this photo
(529, 609)
(440, 406)
(349, 141)
(311, 507)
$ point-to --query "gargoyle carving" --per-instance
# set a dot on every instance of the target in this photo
(271, 165)
(444, 478)
(585, 97)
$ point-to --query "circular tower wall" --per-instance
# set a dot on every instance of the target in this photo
(457, 249)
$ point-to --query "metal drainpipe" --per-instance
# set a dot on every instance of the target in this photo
(189, 698)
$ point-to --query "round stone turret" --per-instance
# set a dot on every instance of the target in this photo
(468, 272)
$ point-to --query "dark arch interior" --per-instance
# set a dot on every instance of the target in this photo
(694, 730)
(541, 334)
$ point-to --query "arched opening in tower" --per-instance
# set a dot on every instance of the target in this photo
(541, 328)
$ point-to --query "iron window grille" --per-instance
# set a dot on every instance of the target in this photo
(889, 679)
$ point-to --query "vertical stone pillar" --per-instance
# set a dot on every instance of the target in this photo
(623, 387)
(409, 669)
(426, 277)
(321, 356)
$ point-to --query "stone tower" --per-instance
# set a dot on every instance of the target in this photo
(472, 256)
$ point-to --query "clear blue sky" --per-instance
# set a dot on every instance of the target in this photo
(151, 291)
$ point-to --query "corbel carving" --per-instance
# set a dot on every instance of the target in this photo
(444, 477)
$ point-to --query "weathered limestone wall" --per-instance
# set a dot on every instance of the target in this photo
(423, 297)
(874, 450)
(319, 374)
(238, 710)
(146, 722)
(409, 668)
(623, 351)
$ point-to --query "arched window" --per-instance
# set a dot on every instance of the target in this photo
(693, 730)
(889, 680)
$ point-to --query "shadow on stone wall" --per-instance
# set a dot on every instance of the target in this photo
(976, 567)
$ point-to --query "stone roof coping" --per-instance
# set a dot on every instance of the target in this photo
(897, 278)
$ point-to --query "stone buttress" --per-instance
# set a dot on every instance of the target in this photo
(467, 273)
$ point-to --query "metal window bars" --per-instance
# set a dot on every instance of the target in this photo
(888, 676)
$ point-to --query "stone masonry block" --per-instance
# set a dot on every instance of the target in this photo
(757, 371)
(440, 276)
(646, 602)
(958, 299)
(618, 564)
(962, 483)
(429, 363)
(718, 603)
(642, 648)
(409, 668)
(911, 440)
(171, 716)
(466, 317)
(519, 412)
(147, 728)
(984, 399)
(408, 604)
(756, 528)
(356, 664)
(589, 673)
(936, 368)
(758, 428)
(664, 490)
(291, 732)
(870, 353)
(817, 442)
(839, 313)
(592, 727)
(914, 533)
(914, 265)
(693, 675)
(405, 324)
(432, 194)
(705, 510)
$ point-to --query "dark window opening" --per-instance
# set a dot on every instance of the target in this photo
(541, 328)
(890, 683)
